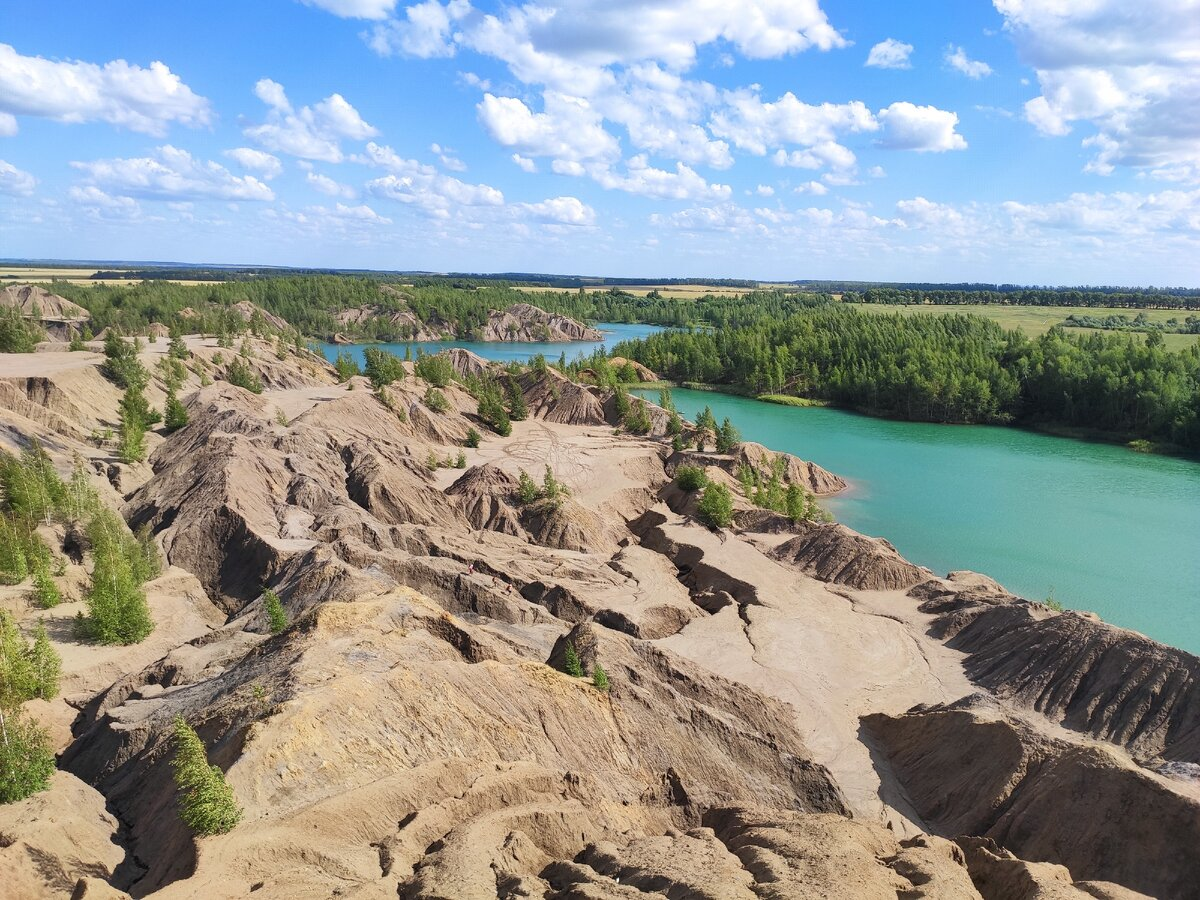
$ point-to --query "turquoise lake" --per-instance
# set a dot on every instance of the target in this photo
(1096, 526)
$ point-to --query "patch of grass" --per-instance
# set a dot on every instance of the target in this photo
(788, 400)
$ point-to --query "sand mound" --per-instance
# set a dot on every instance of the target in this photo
(971, 769)
(1075, 670)
(525, 322)
(832, 552)
(35, 301)
(556, 398)
(808, 475)
(643, 373)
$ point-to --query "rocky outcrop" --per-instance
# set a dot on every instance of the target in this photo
(794, 470)
(468, 364)
(555, 398)
(526, 322)
(251, 312)
(34, 301)
(520, 322)
(970, 768)
(833, 552)
(641, 373)
(1075, 670)
(754, 853)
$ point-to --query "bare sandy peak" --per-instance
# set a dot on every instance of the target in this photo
(37, 302)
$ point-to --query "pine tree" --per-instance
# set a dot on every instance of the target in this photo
(571, 664)
(599, 678)
(716, 506)
(26, 760)
(276, 614)
(117, 608)
(45, 665)
(176, 413)
(527, 489)
(518, 410)
(727, 437)
(206, 801)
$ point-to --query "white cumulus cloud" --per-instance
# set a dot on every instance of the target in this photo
(311, 132)
(957, 59)
(355, 9)
(890, 54)
(568, 129)
(926, 129)
(15, 181)
(329, 187)
(559, 211)
(1128, 69)
(256, 161)
(172, 174)
(146, 100)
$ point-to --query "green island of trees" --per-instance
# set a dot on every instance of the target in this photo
(945, 368)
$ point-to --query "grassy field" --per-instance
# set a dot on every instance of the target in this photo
(1035, 320)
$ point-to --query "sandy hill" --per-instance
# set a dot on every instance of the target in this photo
(33, 300)
(792, 712)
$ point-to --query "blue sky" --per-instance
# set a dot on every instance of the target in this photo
(1033, 141)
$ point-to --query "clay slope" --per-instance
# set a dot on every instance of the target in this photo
(437, 758)
(556, 398)
(1076, 670)
(31, 300)
(526, 322)
(970, 768)
(833, 552)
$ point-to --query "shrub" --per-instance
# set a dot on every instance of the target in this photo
(621, 403)
(518, 409)
(491, 408)
(178, 349)
(176, 413)
(437, 370)
(473, 438)
(26, 670)
(553, 489)
(571, 664)
(460, 461)
(676, 443)
(276, 615)
(436, 400)
(527, 489)
(691, 478)
(346, 366)
(206, 801)
(382, 367)
(239, 374)
(45, 592)
(600, 678)
(76, 344)
(121, 363)
(637, 421)
(117, 608)
(727, 437)
(716, 506)
(16, 334)
(25, 757)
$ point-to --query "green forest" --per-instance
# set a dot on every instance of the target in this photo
(946, 368)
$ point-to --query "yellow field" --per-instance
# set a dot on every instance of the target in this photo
(1035, 320)
(35, 274)
(670, 291)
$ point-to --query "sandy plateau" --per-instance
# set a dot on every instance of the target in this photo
(794, 710)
